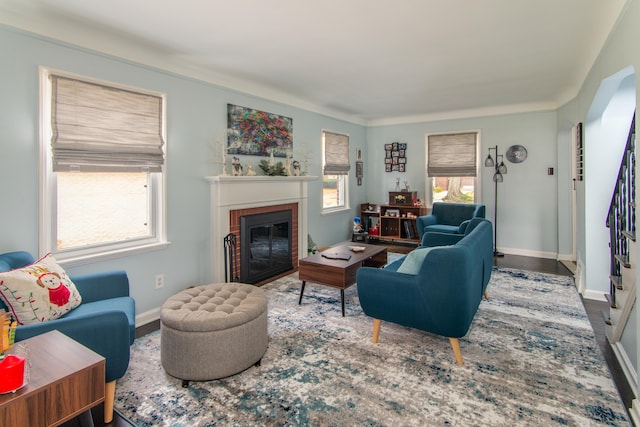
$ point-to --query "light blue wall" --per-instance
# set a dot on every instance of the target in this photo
(620, 52)
(527, 199)
(606, 131)
(196, 119)
(565, 190)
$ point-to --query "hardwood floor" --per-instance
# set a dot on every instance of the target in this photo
(593, 309)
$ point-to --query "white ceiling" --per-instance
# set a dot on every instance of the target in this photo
(370, 61)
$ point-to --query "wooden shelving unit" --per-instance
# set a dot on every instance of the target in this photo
(396, 222)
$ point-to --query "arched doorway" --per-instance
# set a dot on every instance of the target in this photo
(605, 135)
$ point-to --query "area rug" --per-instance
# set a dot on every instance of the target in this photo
(531, 359)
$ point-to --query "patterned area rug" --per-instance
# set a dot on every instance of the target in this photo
(531, 359)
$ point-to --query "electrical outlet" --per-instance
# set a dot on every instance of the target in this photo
(159, 281)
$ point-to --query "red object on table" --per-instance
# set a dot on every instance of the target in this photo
(11, 373)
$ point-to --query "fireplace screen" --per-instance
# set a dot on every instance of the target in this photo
(265, 248)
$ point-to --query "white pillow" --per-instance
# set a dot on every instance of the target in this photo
(38, 292)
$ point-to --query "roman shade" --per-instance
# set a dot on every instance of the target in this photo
(98, 128)
(336, 153)
(452, 154)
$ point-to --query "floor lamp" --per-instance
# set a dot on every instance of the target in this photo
(500, 170)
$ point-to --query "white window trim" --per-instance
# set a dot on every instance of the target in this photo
(337, 209)
(47, 190)
(477, 190)
(347, 200)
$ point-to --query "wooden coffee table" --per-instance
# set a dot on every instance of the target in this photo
(66, 380)
(325, 268)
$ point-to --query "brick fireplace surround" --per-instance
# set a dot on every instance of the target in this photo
(234, 227)
(234, 196)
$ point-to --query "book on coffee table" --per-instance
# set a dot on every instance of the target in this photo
(336, 255)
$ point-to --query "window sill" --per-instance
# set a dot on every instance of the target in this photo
(331, 211)
(73, 260)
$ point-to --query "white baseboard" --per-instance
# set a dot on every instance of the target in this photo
(632, 378)
(626, 366)
(634, 411)
(566, 257)
(529, 253)
(569, 265)
(147, 317)
(594, 295)
(578, 277)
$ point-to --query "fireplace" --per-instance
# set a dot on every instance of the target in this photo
(252, 228)
(235, 196)
(265, 245)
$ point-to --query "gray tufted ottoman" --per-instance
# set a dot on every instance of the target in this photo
(213, 331)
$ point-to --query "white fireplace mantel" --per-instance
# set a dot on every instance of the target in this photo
(243, 192)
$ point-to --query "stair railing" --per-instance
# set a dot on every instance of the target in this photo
(621, 219)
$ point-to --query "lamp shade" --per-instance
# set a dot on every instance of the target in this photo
(489, 161)
(502, 168)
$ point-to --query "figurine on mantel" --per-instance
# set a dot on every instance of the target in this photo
(236, 167)
(236, 161)
(250, 170)
(287, 165)
(296, 168)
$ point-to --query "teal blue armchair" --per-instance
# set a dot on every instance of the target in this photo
(442, 290)
(449, 217)
(432, 239)
(103, 322)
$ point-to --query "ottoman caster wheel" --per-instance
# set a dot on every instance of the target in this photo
(185, 383)
(258, 363)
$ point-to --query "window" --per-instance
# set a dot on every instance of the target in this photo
(102, 180)
(452, 167)
(335, 171)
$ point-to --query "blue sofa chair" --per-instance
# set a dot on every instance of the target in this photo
(103, 322)
(434, 288)
(449, 217)
(435, 238)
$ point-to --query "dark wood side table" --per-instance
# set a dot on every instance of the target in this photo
(66, 380)
(339, 273)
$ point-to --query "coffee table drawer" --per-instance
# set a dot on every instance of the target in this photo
(327, 275)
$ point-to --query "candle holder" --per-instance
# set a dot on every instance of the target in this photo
(14, 372)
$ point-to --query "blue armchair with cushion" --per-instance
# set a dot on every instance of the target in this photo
(435, 238)
(104, 321)
(436, 289)
(449, 217)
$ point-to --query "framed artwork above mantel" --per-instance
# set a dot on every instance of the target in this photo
(258, 133)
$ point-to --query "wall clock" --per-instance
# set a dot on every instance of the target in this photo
(516, 154)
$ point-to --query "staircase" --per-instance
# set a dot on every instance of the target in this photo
(621, 222)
